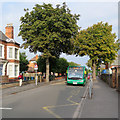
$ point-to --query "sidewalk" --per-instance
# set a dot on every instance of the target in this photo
(16, 89)
(104, 102)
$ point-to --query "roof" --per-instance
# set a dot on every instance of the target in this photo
(4, 38)
(34, 58)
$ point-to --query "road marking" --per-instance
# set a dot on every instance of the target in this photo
(74, 93)
(77, 112)
(5, 108)
(45, 108)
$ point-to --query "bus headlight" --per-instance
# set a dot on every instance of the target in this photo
(81, 81)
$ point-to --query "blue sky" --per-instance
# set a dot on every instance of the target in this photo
(90, 13)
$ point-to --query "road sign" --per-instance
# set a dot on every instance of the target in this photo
(35, 67)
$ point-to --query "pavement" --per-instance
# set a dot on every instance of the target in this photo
(104, 102)
(14, 88)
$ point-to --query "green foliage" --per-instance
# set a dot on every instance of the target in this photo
(73, 64)
(56, 64)
(61, 65)
(23, 62)
(89, 63)
(48, 30)
(98, 42)
(41, 64)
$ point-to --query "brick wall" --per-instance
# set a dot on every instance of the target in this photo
(4, 79)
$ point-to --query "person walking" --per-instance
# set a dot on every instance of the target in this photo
(20, 77)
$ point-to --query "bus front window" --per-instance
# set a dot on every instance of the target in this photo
(75, 74)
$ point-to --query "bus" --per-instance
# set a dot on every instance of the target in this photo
(76, 75)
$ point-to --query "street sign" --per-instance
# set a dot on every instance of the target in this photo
(36, 67)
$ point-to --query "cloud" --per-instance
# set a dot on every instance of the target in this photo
(91, 13)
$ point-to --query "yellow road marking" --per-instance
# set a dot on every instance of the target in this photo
(57, 116)
(74, 92)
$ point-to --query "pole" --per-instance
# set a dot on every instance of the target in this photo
(36, 78)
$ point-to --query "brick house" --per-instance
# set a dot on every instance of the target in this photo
(9, 54)
(32, 64)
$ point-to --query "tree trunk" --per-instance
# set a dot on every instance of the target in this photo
(47, 69)
(94, 69)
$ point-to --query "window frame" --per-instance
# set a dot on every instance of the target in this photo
(2, 51)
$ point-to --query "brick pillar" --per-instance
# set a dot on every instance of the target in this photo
(9, 31)
(117, 78)
(113, 77)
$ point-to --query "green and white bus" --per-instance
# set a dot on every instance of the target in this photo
(76, 75)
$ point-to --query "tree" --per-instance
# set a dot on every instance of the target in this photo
(48, 30)
(56, 65)
(42, 61)
(61, 65)
(89, 63)
(41, 64)
(23, 62)
(73, 64)
(98, 42)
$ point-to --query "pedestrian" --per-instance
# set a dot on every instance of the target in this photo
(20, 77)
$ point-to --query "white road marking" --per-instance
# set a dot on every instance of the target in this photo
(77, 113)
(5, 108)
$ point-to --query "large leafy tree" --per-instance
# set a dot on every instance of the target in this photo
(98, 42)
(48, 30)
(61, 65)
(74, 64)
(23, 62)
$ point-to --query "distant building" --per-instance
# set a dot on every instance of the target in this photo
(32, 63)
(116, 62)
(9, 54)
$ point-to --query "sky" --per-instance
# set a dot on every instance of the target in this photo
(90, 13)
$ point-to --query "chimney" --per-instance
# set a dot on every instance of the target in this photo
(9, 31)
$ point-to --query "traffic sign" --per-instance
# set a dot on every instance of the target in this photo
(35, 67)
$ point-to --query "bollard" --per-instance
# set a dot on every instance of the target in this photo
(20, 82)
(90, 88)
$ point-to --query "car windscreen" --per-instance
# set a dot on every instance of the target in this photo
(75, 72)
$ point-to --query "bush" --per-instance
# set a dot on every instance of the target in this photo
(51, 77)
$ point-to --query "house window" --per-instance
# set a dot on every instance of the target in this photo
(16, 70)
(0, 51)
(10, 53)
(16, 53)
(10, 70)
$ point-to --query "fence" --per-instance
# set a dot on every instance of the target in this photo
(32, 76)
(112, 79)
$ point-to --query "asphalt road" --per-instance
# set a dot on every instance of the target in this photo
(56, 100)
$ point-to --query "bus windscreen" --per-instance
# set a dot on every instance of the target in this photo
(75, 72)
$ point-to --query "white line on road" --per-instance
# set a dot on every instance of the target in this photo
(5, 108)
(77, 112)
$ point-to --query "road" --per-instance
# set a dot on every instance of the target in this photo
(56, 100)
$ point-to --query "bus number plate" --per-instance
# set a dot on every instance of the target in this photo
(74, 82)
